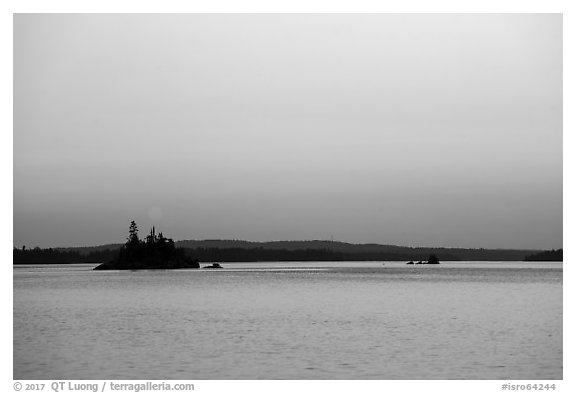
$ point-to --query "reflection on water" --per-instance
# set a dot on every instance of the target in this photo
(360, 320)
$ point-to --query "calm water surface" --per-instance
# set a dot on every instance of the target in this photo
(357, 320)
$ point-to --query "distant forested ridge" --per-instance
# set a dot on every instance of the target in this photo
(261, 254)
(245, 251)
(64, 256)
(548, 256)
(365, 252)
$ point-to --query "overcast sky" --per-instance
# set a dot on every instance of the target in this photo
(424, 130)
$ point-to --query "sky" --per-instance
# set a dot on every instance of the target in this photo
(408, 129)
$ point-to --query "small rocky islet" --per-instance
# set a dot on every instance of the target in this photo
(432, 260)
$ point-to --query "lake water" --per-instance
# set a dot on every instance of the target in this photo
(300, 320)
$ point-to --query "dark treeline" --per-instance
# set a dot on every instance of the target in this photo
(243, 251)
(270, 255)
(54, 256)
(213, 254)
(550, 256)
(347, 251)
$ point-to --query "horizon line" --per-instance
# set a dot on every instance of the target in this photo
(312, 240)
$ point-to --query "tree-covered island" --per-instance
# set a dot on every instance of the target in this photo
(155, 252)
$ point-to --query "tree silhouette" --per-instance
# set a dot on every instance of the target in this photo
(133, 233)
